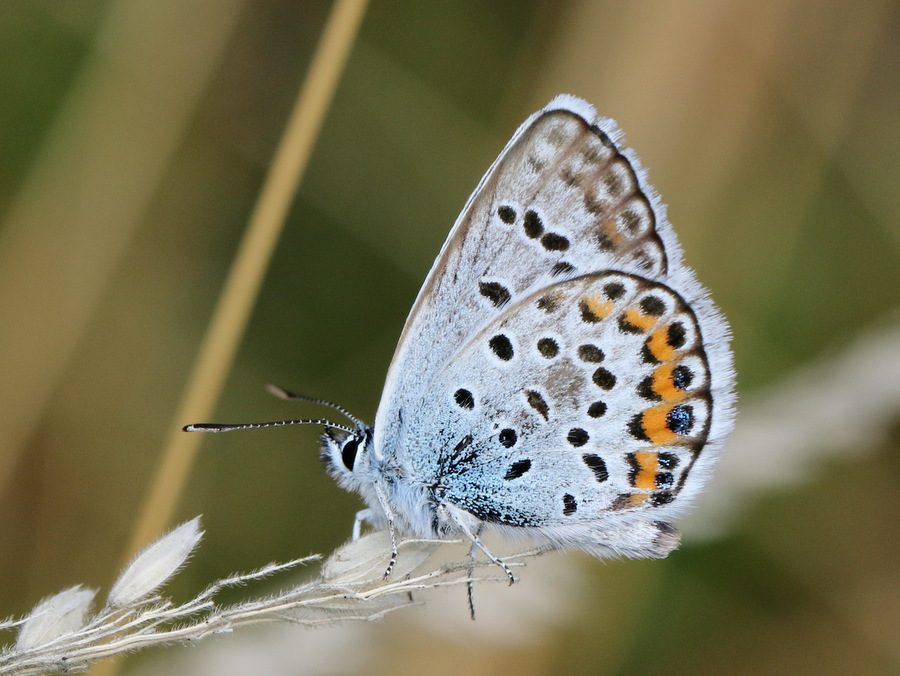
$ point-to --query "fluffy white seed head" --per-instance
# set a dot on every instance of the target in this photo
(155, 564)
(366, 559)
(55, 616)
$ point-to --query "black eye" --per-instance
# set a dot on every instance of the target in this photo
(348, 452)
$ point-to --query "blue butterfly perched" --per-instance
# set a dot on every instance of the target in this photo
(561, 375)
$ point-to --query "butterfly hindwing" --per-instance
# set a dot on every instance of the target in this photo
(582, 402)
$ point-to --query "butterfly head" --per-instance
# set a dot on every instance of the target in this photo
(346, 454)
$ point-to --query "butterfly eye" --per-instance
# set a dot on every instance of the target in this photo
(348, 452)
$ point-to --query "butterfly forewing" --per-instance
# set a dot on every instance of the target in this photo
(561, 200)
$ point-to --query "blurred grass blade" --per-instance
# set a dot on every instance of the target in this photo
(74, 218)
(242, 285)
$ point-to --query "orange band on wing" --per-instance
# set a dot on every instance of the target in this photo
(664, 384)
(635, 317)
(656, 426)
(645, 478)
(599, 308)
(659, 345)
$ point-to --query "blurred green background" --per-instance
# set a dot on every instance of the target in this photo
(134, 137)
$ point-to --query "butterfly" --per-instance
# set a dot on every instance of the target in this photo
(561, 375)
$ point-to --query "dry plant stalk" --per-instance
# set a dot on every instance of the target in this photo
(62, 634)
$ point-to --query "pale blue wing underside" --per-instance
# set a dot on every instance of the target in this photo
(588, 396)
(562, 201)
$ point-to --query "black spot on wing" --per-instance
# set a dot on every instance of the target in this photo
(676, 335)
(597, 465)
(548, 303)
(495, 292)
(647, 355)
(538, 403)
(517, 469)
(597, 409)
(554, 242)
(562, 268)
(501, 346)
(590, 354)
(636, 427)
(604, 379)
(680, 419)
(464, 399)
(534, 226)
(577, 437)
(548, 347)
(653, 306)
(508, 438)
(614, 290)
(645, 389)
(664, 480)
(682, 377)
(667, 460)
(507, 214)
(588, 316)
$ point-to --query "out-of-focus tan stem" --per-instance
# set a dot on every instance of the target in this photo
(242, 285)
(245, 278)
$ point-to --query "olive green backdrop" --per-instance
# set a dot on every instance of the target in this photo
(772, 131)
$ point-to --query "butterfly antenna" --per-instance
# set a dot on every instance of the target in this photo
(291, 396)
(224, 427)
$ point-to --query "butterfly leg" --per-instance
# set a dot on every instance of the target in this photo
(476, 543)
(361, 516)
(389, 514)
(469, 586)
